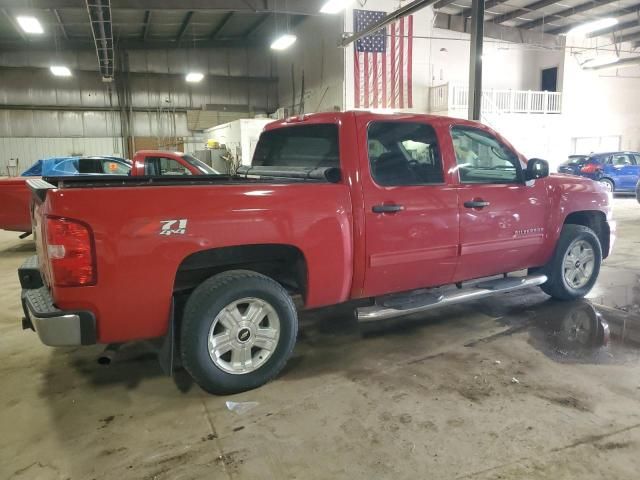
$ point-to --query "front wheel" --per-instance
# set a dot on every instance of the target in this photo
(575, 265)
(238, 331)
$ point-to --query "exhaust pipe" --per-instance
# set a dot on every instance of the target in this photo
(109, 353)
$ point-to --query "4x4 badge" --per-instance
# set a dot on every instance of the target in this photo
(173, 227)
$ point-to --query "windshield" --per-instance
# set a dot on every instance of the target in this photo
(200, 165)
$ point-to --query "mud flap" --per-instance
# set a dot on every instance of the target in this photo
(166, 353)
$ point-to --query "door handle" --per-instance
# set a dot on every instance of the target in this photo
(387, 208)
(476, 204)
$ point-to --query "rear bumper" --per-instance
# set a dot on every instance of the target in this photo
(54, 327)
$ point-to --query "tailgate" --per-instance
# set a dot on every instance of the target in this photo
(39, 190)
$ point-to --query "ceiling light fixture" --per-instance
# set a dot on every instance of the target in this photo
(30, 25)
(334, 6)
(60, 71)
(593, 26)
(283, 42)
(194, 77)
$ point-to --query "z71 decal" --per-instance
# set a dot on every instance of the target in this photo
(173, 227)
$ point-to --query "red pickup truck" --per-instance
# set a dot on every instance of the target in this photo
(401, 212)
(15, 196)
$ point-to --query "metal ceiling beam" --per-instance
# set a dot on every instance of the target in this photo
(257, 24)
(87, 44)
(487, 6)
(145, 27)
(568, 12)
(293, 7)
(442, 3)
(184, 26)
(616, 13)
(14, 24)
(61, 24)
(623, 62)
(142, 75)
(218, 28)
(505, 17)
(615, 28)
(408, 9)
(630, 37)
(100, 21)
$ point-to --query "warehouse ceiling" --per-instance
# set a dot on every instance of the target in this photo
(555, 17)
(153, 23)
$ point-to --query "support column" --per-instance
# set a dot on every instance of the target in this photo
(475, 59)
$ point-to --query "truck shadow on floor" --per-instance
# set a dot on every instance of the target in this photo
(134, 364)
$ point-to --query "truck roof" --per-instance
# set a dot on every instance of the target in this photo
(335, 117)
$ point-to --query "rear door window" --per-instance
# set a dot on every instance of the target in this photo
(622, 159)
(310, 146)
(89, 166)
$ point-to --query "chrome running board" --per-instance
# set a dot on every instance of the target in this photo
(397, 305)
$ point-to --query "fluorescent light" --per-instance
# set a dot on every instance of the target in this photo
(60, 71)
(30, 25)
(593, 26)
(194, 77)
(283, 42)
(334, 6)
(600, 61)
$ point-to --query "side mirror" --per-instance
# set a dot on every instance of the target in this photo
(536, 168)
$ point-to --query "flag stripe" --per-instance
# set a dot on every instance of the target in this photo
(393, 65)
(401, 66)
(356, 78)
(384, 80)
(375, 78)
(410, 63)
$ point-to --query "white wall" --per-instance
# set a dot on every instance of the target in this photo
(602, 103)
(317, 54)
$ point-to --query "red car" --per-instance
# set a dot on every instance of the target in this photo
(15, 196)
(402, 212)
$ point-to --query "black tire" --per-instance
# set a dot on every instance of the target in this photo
(556, 285)
(608, 184)
(638, 192)
(202, 308)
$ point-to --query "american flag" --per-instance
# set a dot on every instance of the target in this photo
(383, 66)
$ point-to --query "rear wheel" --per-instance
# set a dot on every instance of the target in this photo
(608, 184)
(638, 192)
(575, 265)
(238, 330)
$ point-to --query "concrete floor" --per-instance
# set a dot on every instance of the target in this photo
(486, 390)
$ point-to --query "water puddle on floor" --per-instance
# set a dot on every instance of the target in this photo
(584, 332)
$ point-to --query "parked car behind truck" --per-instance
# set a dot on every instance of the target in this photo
(15, 196)
(392, 210)
(617, 171)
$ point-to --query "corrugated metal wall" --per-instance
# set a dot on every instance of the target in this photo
(42, 115)
(29, 149)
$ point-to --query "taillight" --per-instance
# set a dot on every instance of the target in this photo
(70, 252)
(589, 168)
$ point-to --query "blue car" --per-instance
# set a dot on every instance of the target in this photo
(617, 171)
(71, 166)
